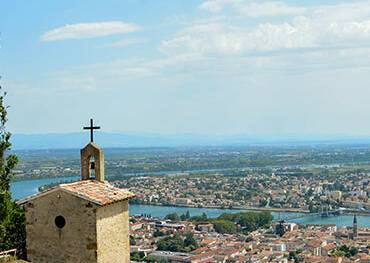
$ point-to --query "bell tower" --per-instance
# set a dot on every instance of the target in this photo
(92, 157)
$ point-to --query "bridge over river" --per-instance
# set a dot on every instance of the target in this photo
(322, 213)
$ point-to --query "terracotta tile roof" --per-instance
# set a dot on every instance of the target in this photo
(92, 190)
(208, 241)
(330, 246)
(363, 256)
(202, 256)
(97, 192)
(200, 250)
(314, 243)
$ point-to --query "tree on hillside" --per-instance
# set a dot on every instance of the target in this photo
(225, 226)
(185, 216)
(172, 217)
(190, 241)
(12, 220)
(7, 162)
(280, 229)
(249, 221)
(178, 243)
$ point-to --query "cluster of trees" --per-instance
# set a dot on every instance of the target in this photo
(295, 256)
(345, 251)
(178, 243)
(232, 223)
(229, 223)
(12, 219)
(225, 227)
(248, 221)
(137, 256)
(140, 257)
(176, 217)
(153, 259)
(186, 216)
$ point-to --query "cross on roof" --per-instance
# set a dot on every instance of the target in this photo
(92, 128)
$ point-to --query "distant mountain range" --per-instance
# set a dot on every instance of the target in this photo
(128, 140)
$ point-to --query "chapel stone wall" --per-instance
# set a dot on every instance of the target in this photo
(113, 233)
(75, 242)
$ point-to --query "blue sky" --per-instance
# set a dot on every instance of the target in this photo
(184, 66)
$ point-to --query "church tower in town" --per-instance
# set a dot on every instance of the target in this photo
(354, 229)
(83, 221)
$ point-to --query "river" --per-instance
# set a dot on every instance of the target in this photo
(21, 189)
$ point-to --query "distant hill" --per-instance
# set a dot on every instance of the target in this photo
(128, 140)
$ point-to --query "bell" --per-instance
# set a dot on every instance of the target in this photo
(92, 165)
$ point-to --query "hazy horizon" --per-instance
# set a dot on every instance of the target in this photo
(301, 136)
(148, 140)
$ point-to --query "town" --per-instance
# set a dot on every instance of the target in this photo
(254, 191)
(195, 240)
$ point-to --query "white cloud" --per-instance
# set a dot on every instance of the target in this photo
(214, 6)
(259, 9)
(264, 8)
(344, 12)
(89, 30)
(321, 27)
(223, 39)
(253, 8)
(126, 42)
(205, 38)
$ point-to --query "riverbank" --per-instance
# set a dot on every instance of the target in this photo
(246, 208)
(305, 219)
(249, 208)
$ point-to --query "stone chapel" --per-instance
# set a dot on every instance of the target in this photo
(83, 221)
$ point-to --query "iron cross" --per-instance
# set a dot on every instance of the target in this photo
(92, 128)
